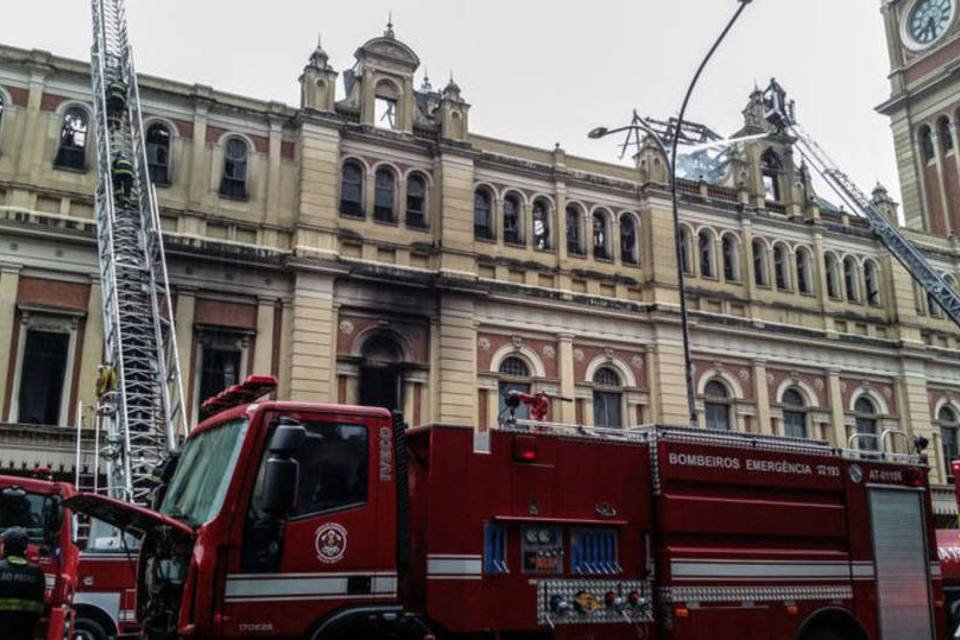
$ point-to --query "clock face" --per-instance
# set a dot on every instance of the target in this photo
(928, 20)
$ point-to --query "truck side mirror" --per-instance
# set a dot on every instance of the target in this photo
(54, 522)
(287, 437)
(280, 478)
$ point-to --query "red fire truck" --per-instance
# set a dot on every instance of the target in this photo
(105, 601)
(38, 506)
(287, 519)
(948, 549)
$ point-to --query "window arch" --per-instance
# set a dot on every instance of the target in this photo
(351, 189)
(804, 275)
(601, 234)
(832, 267)
(686, 251)
(851, 279)
(730, 248)
(944, 134)
(72, 149)
(541, 224)
(482, 214)
(416, 215)
(514, 376)
(865, 413)
(385, 195)
(772, 167)
(716, 405)
(574, 230)
(628, 239)
(949, 424)
(927, 150)
(512, 220)
(871, 277)
(781, 267)
(233, 183)
(158, 153)
(607, 398)
(705, 250)
(761, 275)
(794, 414)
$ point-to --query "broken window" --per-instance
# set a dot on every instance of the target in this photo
(772, 167)
(514, 376)
(351, 190)
(705, 244)
(416, 201)
(851, 279)
(42, 374)
(482, 214)
(833, 276)
(222, 358)
(628, 239)
(601, 222)
(385, 113)
(158, 153)
(760, 276)
(872, 279)
(945, 135)
(780, 267)
(574, 237)
(541, 225)
(512, 221)
(866, 421)
(233, 184)
(731, 271)
(803, 271)
(384, 196)
(926, 144)
(71, 153)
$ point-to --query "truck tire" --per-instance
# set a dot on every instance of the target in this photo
(824, 634)
(87, 629)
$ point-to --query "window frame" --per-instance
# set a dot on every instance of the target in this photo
(508, 380)
(167, 174)
(407, 218)
(730, 254)
(862, 417)
(222, 338)
(240, 186)
(804, 265)
(629, 255)
(716, 402)
(575, 246)
(347, 212)
(706, 254)
(600, 220)
(798, 410)
(61, 159)
(490, 234)
(543, 241)
(851, 276)
(943, 132)
(781, 267)
(515, 230)
(948, 425)
(381, 212)
(49, 321)
(611, 395)
(928, 149)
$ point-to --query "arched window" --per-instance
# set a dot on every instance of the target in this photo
(607, 398)
(384, 195)
(866, 421)
(781, 267)
(601, 234)
(158, 153)
(686, 251)
(772, 167)
(512, 220)
(832, 268)
(628, 239)
(716, 406)
(934, 308)
(233, 184)
(71, 154)
(943, 132)
(804, 280)
(351, 189)
(949, 426)
(705, 248)
(416, 201)
(482, 214)
(794, 414)
(574, 235)
(927, 150)
(731, 258)
(541, 225)
(871, 278)
(761, 276)
(514, 376)
(851, 279)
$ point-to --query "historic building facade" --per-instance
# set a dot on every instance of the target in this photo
(374, 249)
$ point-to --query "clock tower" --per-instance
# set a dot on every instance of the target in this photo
(923, 39)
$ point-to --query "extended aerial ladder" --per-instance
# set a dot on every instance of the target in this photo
(781, 115)
(139, 388)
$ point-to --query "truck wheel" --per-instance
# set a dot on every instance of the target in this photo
(824, 634)
(87, 629)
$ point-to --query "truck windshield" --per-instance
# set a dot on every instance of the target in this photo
(199, 484)
(21, 509)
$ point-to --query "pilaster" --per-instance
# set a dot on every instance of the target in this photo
(313, 338)
(458, 360)
(761, 394)
(835, 398)
(9, 283)
(568, 410)
(263, 347)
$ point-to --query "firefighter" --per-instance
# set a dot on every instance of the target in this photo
(116, 99)
(122, 178)
(22, 587)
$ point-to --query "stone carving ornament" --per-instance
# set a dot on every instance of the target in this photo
(549, 352)
(346, 327)
(484, 343)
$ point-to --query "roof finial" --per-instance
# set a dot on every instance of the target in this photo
(320, 40)
(389, 32)
(426, 87)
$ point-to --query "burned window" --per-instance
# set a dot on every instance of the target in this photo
(43, 371)
(760, 276)
(512, 220)
(872, 280)
(574, 235)
(851, 279)
(334, 466)
(158, 154)
(71, 153)
(772, 168)
(628, 239)
(384, 196)
(601, 235)
(482, 214)
(927, 150)
(731, 259)
(416, 201)
(385, 113)
(781, 269)
(705, 246)
(233, 183)
(541, 225)
(514, 376)
(351, 190)
(804, 282)
(222, 355)
(945, 135)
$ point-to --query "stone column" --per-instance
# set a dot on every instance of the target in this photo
(263, 347)
(761, 394)
(9, 283)
(313, 338)
(835, 398)
(568, 410)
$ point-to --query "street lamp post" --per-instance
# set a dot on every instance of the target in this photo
(639, 124)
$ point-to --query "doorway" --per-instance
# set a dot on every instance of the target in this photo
(381, 374)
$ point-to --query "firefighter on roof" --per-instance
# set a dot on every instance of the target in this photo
(22, 587)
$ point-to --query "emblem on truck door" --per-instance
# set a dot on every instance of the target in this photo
(856, 473)
(330, 542)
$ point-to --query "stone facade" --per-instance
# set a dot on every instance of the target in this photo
(375, 249)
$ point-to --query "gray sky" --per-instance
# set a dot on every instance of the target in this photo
(535, 72)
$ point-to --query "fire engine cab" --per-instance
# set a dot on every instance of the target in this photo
(289, 519)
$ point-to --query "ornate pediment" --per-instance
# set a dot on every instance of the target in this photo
(389, 49)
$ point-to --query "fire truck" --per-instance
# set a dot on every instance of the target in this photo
(289, 519)
(948, 549)
(38, 506)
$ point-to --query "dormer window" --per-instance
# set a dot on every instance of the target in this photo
(385, 113)
(771, 176)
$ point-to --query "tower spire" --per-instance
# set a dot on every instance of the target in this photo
(389, 31)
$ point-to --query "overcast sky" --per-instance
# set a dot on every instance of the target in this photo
(536, 72)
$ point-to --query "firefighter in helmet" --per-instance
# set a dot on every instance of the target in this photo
(22, 587)
(122, 178)
(116, 99)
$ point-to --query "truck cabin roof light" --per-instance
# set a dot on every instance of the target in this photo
(252, 388)
(525, 449)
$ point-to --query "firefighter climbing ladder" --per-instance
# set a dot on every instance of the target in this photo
(140, 390)
(781, 115)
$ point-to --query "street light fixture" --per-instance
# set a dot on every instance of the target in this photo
(640, 124)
